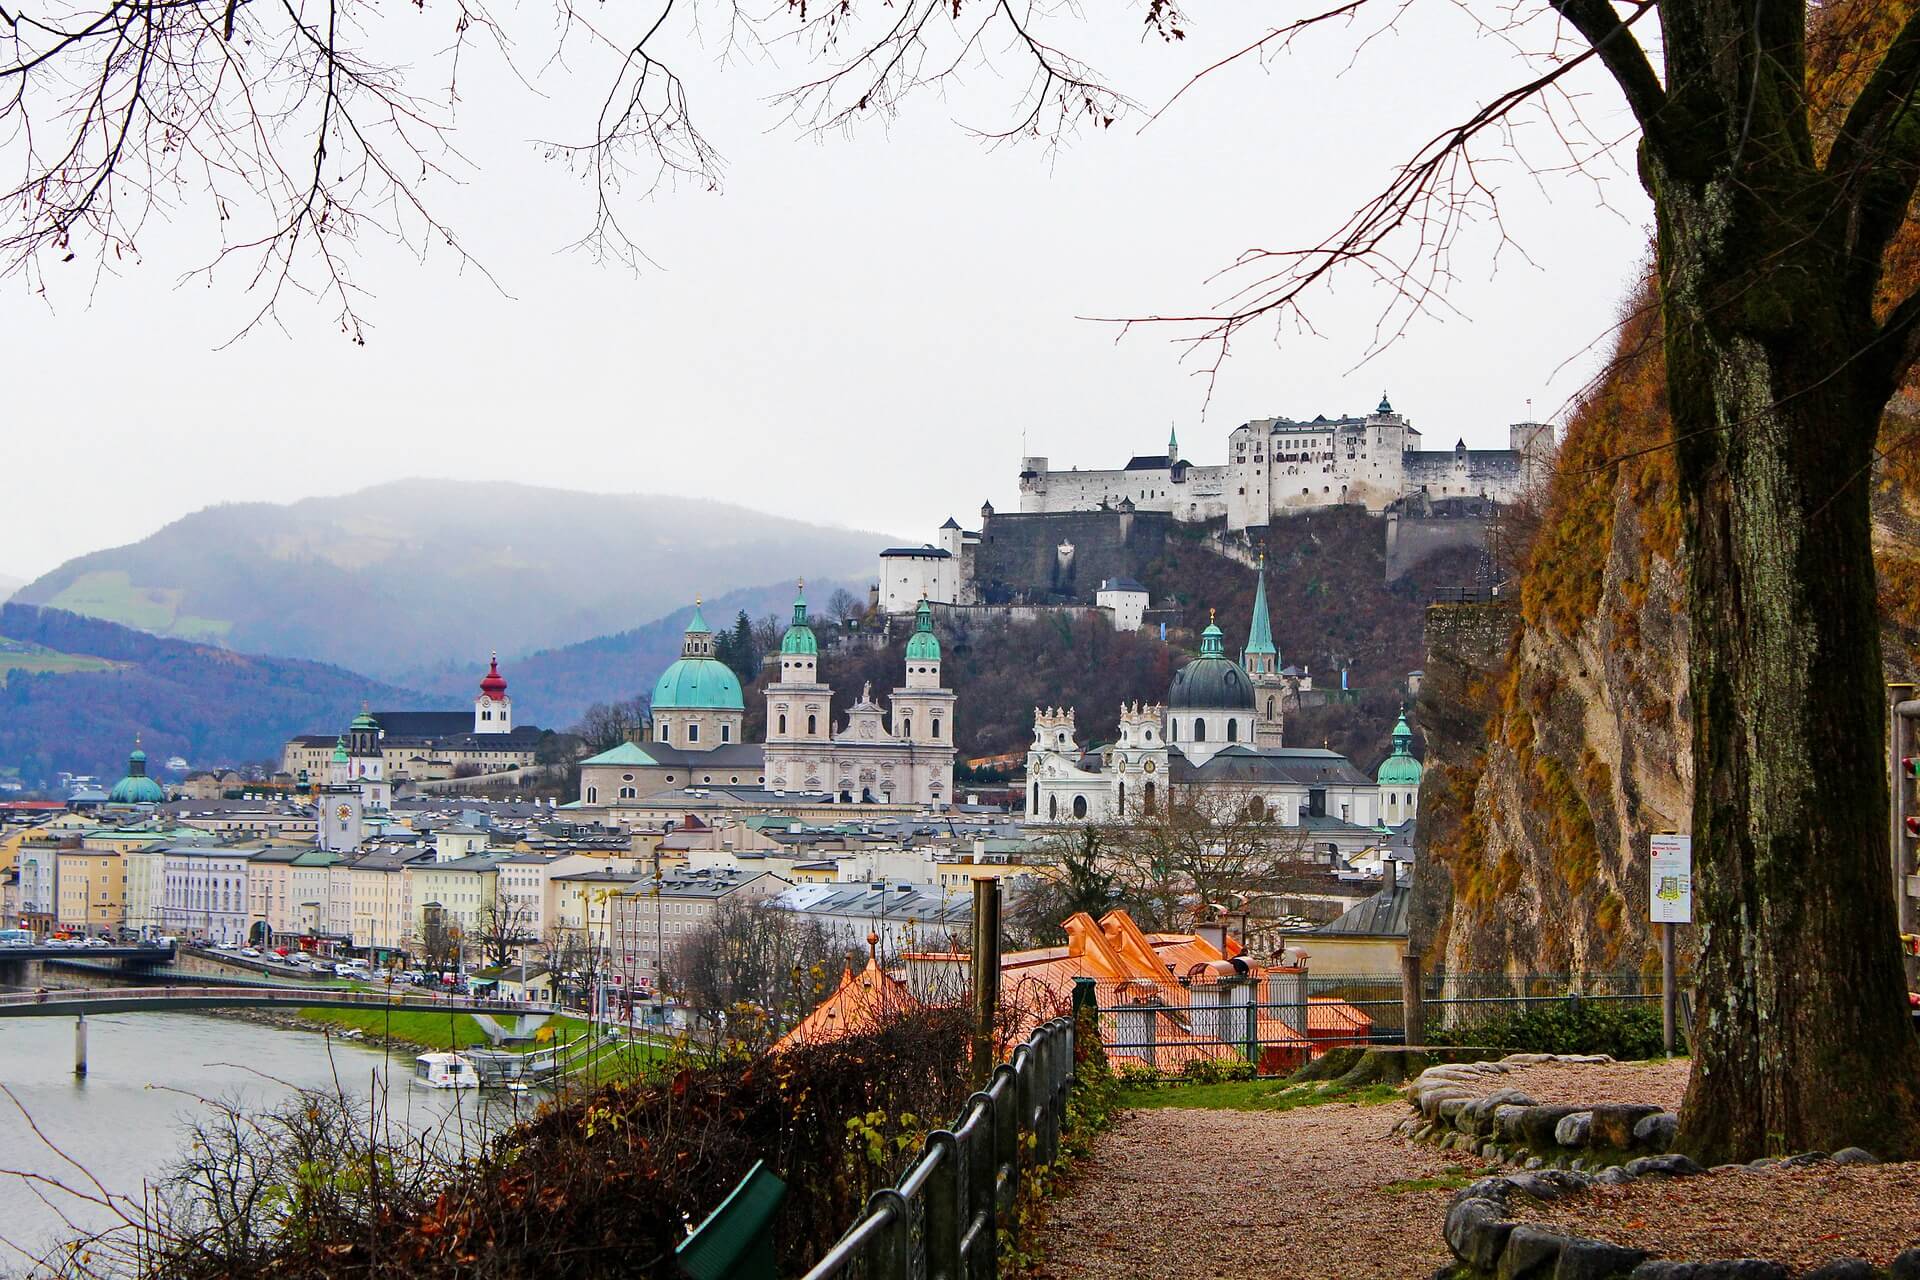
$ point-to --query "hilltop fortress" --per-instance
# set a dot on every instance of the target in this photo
(1277, 466)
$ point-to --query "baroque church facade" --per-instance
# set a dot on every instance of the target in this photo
(1222, 727)
(900, 755)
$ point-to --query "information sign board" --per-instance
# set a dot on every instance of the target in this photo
(1670, 892)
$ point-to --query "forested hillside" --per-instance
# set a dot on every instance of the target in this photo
(83, 689)
(553, 687)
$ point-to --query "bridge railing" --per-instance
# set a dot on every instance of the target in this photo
(297, 997)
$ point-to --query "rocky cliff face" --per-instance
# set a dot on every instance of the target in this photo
(1559, 731)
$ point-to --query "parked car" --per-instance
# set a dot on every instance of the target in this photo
(251, 953)
(322, 966)
(96, 942)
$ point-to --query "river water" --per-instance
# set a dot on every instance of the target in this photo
(127, 1119)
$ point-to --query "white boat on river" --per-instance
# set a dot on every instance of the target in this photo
(445, 1071)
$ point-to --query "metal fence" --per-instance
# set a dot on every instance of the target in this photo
(1280, 1022)
(941, 1221)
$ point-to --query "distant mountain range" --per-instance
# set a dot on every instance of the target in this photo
(552, 687)
(74, 693)
(423, 574)
(9, 585)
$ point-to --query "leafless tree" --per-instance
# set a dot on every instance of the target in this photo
(439, 938)
(844, 606)
(503, 930)
(1200, 851)
(756, 965)
(604, 726)
(577, 964)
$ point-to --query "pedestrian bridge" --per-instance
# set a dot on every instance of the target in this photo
(140, 954)
(179, 998)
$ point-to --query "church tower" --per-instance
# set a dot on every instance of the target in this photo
(799, 706)
(923, 711)
(493, 710)
(366, 762)
(1261, 658)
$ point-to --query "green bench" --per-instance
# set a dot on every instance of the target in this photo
(736, 1240)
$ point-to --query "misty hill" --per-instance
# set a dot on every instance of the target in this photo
(421, 572)
(74, 691)
(9, 585)
(552, 687)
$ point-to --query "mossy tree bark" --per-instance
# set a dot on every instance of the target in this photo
(1781, 355)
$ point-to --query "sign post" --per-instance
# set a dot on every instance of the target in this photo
(1669, 902)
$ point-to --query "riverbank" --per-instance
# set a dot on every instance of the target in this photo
(408, 1031)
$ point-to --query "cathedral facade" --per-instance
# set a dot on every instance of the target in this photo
(900, 754)
(1221, 728)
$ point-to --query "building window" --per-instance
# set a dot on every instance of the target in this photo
(813, 725)
(936, 728)
(693, 733)
(1233, 729)
(1199, 730)
(593, 795)
(726, 733)
(783, 724)
(1053, 806)
(1079, 806)
(660, 735)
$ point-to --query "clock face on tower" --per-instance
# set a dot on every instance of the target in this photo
(344, 813)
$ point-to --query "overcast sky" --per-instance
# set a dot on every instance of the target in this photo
(862, 331)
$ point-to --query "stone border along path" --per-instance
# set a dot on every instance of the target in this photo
(1488, 1242)
(1456, 1110)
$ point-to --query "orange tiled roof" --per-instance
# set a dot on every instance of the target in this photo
(859, 1002)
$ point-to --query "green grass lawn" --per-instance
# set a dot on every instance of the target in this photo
(436, 1030)
(1252, 1095)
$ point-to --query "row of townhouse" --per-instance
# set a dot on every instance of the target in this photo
(188, 884)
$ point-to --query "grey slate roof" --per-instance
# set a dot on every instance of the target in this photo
(1382, 915)
(1310, 767)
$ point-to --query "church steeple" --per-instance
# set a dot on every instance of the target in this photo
(1260, 651)
(1173, 445)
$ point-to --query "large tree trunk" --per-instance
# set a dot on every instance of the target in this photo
(1802, 1037)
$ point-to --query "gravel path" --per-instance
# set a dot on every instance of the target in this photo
(1798, 1217)
(1660, 1083)
(1196, 1195)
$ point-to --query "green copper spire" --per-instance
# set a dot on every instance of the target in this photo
(340, 749)
(1173, 445)
(1260, 634)
(1211, 640)
(923, 645)
(800, 638)
(697, 623)
(1400, 769)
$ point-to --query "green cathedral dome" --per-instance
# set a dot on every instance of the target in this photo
(1212, 681)
(698, 681)
(136, 787)
(923, 645)
(799, 638)
(1400, 769)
